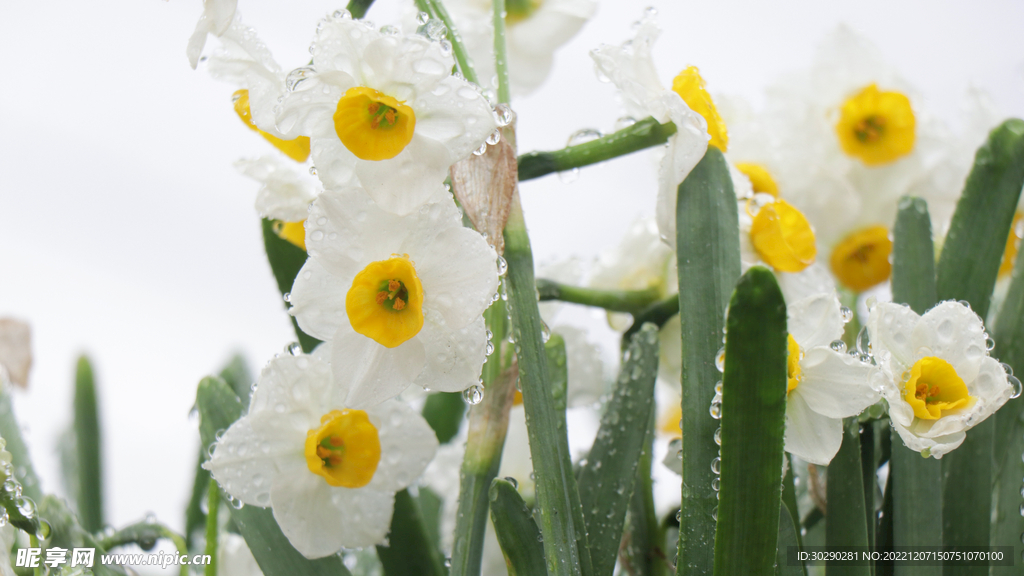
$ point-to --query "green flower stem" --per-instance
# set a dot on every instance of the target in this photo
(657, 314)
(213, 507)
(435, 9)
(500, 51)
(358, 8)
(632, 301)
(488, 423)
(87, 432)
(564, 542)
(33, 542)
(643, 134)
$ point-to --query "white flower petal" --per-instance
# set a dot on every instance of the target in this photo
(815, 321)
(833, 384)
(954, 333)
(937, 447)
(811, 436)
(455, 114)
(991, 387)
(319, 519)
(285, 194)
(458, 272)
(890, 326)
(405, 182)
(404, 66)
(308, 108)
(631, 68)
(318, 300)
(340, 43)
(297, 387)
(454, 358)
(815, 279)
(250, 454)
(372, 372)
(407, 445)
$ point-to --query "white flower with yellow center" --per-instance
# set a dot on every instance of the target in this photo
(534, 29)
(384, 108)
(401, 298)
(824, 384)
(935, 373)
(630, 67)
(284, 195)
(330, 472)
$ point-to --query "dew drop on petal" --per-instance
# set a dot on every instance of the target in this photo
(846, 313)
(838, 346)
(473, 395)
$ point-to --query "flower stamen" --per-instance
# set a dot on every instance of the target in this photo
(345, 449)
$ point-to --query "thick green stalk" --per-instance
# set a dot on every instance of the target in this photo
(213, 509)
(488, 423)
(564, 545)
(753, 426)
(846, 524)
(500, 50)
(632, 301)
(435, 9)
(708, 253)
(89, 444)
(916, 481)
(967, 270)
(643, 134)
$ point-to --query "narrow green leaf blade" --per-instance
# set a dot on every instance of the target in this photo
(916, 481)
(708, 255)
(219, 407)
(286, 259)
(409, 551)
(787, 538)
(518, 535)
(89, 444)
(753, 423)
(643, 543)
(967, 270)
(11, 433)
(846, 524)
(606, 481)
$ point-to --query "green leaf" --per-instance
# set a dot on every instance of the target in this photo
(11, 433)
(788, 537)
(916, 481)
(88, 443)
(643, 543)
(219, 407)
(565, 542)
(967, 270)
(846, 524)
(517, 533)
(606, 481)
(286, 259)
(643, 134)
(238, 376)
(65, 532)
(558, 371)
(443, 411)
(1009, 427)
(708, 253)
(410, 551)
(753, 423)
(430, 507)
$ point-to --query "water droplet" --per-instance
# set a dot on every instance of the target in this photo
(312, 170)
(389, 30)
(569, 176)
(512, 481)
(287, 297)
(716, 484)
(473, 395)
(545, 332)
(679, 515)
(583, 135)
(502, 266)
(716, 410)
(435, 29)
(3, 517)
(494, 137)
(236, 503)
(481, 150)
(718, 435)
(1015, 384)
(720, 359)
(341, 15)
(714, 513)
(490, 348)
(624, 122)
(846, 313)
(295, 349)
(863, 341)
(870, 303)
(838, 346)
(716, 465)
(297, 76)
(989, 343)
(503, 115)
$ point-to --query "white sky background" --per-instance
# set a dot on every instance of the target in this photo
(127, 234)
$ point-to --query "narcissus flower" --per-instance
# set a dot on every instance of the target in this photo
(630, 67)
(935, 373)
(401, 298)
(217, 17)
(328, 471)
(824, 385)
(534, 29)
(384, 108)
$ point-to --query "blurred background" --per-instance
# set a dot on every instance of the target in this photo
(128, 235)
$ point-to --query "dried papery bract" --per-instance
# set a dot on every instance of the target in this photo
(484, 184)
(16, 350)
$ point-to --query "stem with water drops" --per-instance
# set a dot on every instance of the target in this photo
(435, 9)
(212, 510)
(632, 301)
(500, 51)
(642, 134)
(488, 423)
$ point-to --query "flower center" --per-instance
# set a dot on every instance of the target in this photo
(518, 10)
(877, 127)
(1012, 244)
(385, 302)
(373, 125)
(934, 388)
(345, 449)
(297, 149)
(793, 372)
(861, 260)
(294, 232)
(690, 87)
(760, 178)
(782, 237)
